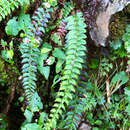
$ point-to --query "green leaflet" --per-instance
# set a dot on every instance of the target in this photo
(58, 53)
(121, 77)
(31, 126)
(12, 27)
(44, 71)
(17, 24)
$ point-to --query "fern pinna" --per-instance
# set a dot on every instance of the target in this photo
(6, 6)
(74, 59)
(30, 52)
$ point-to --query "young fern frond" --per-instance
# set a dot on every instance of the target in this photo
(75, 51)
(6, 6)
(30, 52)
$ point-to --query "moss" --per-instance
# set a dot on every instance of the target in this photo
(3, 74)
(117, 27)
(119, 23)
(8, 73)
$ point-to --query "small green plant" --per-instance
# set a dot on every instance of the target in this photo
(7, 52)
(127, 98)
(3, 122)
(105, 67)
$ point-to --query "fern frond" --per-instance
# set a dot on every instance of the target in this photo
(80, 104)
(76, 106)
(68, 7)
(6, 6)
(66, 10)
(29, 55)
(30, 51)
(75, 51)
(74, 115)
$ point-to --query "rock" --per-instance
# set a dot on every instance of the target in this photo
(99, 27)
(84, 126)
(101, 32)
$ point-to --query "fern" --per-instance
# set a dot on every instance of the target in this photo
(73, 117)
(30, 52)
(68, 7)
(75, 113)
(76, 106)
(6, 6)
(75, 52)
(29, 55)
(83, 102)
